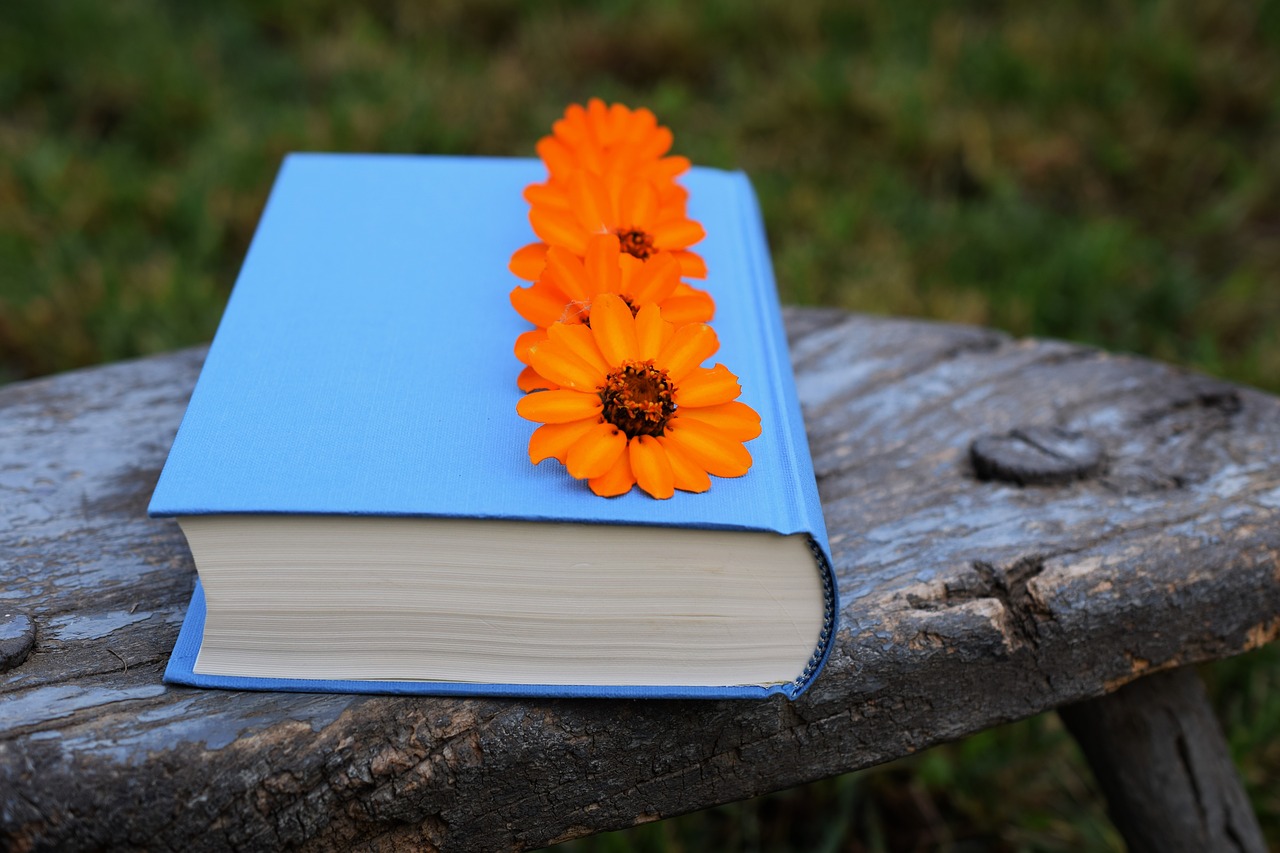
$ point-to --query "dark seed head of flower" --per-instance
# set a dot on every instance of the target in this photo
(636, 242)
(638, 398)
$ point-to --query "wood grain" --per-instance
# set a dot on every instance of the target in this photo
(967, 603)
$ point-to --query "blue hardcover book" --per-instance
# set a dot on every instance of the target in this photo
(355, 485)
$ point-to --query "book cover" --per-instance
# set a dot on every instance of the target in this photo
(364, 366)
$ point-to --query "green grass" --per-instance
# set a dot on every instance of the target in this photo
(1101, 172)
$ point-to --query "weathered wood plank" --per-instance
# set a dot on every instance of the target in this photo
(967, 603)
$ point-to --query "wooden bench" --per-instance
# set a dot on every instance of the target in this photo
(1144, 536)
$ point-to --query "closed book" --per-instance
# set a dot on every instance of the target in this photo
(355, 486)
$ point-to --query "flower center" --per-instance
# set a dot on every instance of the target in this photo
(636, 242)
(638, 398)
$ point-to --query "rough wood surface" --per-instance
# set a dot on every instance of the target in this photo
(967, 603)
(1158, 754)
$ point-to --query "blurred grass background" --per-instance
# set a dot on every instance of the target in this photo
(1103, 172)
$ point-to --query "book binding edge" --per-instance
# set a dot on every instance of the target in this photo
(830, 621)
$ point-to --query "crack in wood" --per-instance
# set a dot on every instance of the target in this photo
(1188, 767)
(1010, 588)
(1018, 615)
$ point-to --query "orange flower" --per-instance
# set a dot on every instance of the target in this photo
(603, 139)
(623, 205)
(634, 405)
(568, 284)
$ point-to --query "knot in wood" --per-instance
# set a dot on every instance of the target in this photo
(17, 636)
(1040, 456)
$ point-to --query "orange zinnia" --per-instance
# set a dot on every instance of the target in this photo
(568, 284)
(623, 205)
(634, 405)
(603, 139)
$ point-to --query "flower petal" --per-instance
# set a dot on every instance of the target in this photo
(691, 264)
(558, 407)
(525, 340)
(528, 261)
(629, 268)
(594, 453)
(552, 441)
(564, 269)
(668, 168)
(601, 264)
(578, 339)
(598, 119)
(531, 380)
(613, 127)
(686, 476)
(574, 124)
(614, 329)
(652, 331)
(575, 128)
(618, 480)
(673, 198)
(558, 228)
(656, 143)
(654, 280)
(688, 305)
(550, 195)
(559, 364)
(591, 203)
(541, 303)
(677, 233)
(637, 204)
(651, 468)
(735, 420)
(688, 348)
(707, 387)
(706, 446)
(557, 156)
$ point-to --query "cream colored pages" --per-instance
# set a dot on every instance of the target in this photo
(374, 598)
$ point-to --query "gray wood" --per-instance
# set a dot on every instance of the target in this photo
(1159, 756)
(966, 604)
